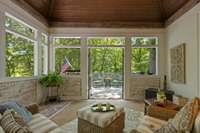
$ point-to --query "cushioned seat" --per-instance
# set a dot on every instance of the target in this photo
(149, 124)
(41, 124)
(58, 130)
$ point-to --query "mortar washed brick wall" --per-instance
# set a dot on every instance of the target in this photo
(23, 91)
(139, 84)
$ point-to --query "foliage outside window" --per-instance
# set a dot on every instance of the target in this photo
(67, 48)
(66, 41)
(107, 60)
(44, 53)
(144, 55)
(19, 56)
(99, 41)
(19, 27)
(144, 41)
(19, 48)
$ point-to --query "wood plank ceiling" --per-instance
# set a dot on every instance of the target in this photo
(109, 13)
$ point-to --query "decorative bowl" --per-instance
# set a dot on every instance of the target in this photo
(102, 108)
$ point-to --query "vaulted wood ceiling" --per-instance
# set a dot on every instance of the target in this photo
(109, 13)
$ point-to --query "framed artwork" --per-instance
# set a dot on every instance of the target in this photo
(177, 57)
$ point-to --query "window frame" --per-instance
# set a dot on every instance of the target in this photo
(156, 47)
(77, 46)
(45, 47)
(18, 34)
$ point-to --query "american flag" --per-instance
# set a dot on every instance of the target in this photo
(65, 65)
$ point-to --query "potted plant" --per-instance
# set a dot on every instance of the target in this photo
(161, 97)
(51, 81)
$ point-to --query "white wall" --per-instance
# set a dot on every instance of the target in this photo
(186, 30)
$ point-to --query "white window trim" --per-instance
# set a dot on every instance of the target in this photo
(44, 46)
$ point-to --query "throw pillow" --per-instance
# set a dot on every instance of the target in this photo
(9, 124)
(19, 108)
(184, 119)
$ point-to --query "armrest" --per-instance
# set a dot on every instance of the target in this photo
(33, 108)
(161, 113)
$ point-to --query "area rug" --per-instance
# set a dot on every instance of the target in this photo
(51, 109)
(132, 120)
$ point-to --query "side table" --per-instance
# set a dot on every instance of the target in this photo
(170, 105)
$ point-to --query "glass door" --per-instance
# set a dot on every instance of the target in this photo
(106, 72)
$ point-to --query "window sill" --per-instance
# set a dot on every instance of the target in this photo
(18, 79)
(144, 75)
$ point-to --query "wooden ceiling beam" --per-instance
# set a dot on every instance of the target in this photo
(108, 24)
(51, 8)
(189, 5)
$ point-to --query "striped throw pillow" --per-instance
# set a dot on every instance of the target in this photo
(10, 125)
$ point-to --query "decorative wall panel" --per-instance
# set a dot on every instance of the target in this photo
(177, 57)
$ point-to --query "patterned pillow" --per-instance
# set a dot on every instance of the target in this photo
(10, 125)
(184, 119)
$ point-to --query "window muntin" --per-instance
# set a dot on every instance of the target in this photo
(67, 41)
(73, 56)
(107, 41)
(19, 56)
(144, 41)
(16, 26)
(144, 55)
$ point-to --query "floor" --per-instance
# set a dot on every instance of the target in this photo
(106, 93)
(69, 113)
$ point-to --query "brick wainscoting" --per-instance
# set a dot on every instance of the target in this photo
(139, 84)
(23, 91)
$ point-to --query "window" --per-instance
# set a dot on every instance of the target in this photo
(44, 53)
(20, 47)
(67, 48)
(144, 55)
(100, 41)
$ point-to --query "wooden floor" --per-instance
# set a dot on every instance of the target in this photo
(69, 113)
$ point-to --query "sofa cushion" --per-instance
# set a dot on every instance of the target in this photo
(10, 125)
(58, 130)
(41, 124)
(196, 128)
(184, 120)
(150, 124)
(19, 108)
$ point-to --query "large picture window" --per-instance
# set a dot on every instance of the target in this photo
(144, 55)
(67, 48)
(20, 47)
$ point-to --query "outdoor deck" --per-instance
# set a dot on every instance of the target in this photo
(106, 93)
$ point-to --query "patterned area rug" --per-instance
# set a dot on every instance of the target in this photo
(132, 120)
(51, 109)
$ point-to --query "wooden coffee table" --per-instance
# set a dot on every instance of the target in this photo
(169, 105)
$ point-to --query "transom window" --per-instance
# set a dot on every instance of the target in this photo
(67, 49)
(20, 47)
(144, 55)
(105, 41)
